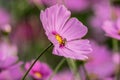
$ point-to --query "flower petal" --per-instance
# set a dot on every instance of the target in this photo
(108, 27)
(54, 18)
(8, 62)
(79, 46)
(118, 23)
(73, 29)
(111, 29)
(75, 50)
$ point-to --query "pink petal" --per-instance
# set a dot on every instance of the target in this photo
(8, 62)
(109, 28)
(54, 18)
(70, 54)
(118, 23)
(79, 46)
(73, 29)
(77, 49)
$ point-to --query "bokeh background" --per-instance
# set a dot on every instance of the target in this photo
(20, 25)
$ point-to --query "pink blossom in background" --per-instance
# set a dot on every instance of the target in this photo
(100, 15)
(63, 75)
(73, 5)
(22, 33)
(40, 71)
(51, 2)
(11, 72)
(9, 69)
(116, 58)
(26, 32)
(77, 5)
(100, 64)
(93, 2)
(4, 20)
(7, 50)
(112, 28)
(95, 21)
(65, 33)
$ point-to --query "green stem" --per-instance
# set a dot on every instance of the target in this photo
(115, 45)
(57, 68)
(115, 49)
(36, 61)
(73, 68)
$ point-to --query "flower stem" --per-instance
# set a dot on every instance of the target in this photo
(73, 68)
(115, 45)
(57, 68)
(115, 50)
(36, 61)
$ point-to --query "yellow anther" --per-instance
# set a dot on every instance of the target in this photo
(59, 39)
(38, 75)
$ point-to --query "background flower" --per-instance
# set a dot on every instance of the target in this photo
(112, 28)
(9, 69)
(40, 71)
(77, 5)
(100, 64)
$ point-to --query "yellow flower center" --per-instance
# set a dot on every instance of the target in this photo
(60, 40)
(38, 75)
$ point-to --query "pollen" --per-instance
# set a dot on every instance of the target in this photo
(38, 75)
(60, 40)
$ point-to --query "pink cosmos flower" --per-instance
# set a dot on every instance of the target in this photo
(40, 70)
(98, 18)
(96, 21)
(65, 33)
(9, 69)
(100, 64)
(73, 5)
(7, 50)
(25, 32)
(77, 5)
(112, 28)
(100, 9)
(11, 72)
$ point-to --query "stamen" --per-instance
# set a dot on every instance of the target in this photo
(60, 40)
(38, 75)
